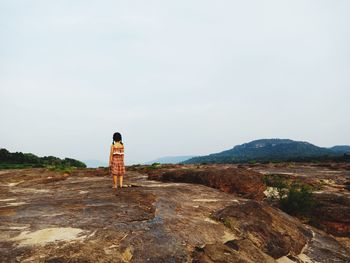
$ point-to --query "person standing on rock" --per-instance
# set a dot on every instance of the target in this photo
(116, 160)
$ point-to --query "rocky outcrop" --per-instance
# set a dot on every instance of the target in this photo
(265, 234)
(82, 219)
(269, 229)
(242, 182)
(242, 250)
(332, 213)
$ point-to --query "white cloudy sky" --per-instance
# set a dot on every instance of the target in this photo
(174, 77)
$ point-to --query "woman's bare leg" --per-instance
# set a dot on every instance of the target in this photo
(121, 181)
(115, 181)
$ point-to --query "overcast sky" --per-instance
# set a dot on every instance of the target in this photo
(174, 77)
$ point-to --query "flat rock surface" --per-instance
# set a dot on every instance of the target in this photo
(52, 217)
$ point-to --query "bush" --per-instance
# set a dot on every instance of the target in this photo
(153, 166)
(61, 168)
(293, 198)
(299, 200)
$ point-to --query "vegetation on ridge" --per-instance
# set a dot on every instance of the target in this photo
(293, 197)
(275, 150)
(26, 160)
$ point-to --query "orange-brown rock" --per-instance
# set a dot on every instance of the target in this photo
(242, 182)
(332, 213)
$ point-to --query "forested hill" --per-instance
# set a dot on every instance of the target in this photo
(274, 150)
(341, 149)
(19, 160)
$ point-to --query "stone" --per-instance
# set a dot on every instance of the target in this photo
(242, 182)
(332, 213)
(268, 228)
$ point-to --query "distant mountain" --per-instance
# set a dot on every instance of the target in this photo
(341, 149)
(266, 150)
(171, 159)
(95, 163)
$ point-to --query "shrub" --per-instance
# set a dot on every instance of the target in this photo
(299, 200)
(61, 168)
(153, 166)
(293, 198)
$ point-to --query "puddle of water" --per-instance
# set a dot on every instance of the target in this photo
(47, 235)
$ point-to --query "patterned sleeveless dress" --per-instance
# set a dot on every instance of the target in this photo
(117, 166)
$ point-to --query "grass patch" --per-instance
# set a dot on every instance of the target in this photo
(154, 166)
(61, 168)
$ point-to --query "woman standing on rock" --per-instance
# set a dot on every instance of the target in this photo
(116, 160)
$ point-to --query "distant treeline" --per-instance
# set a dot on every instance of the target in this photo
(21, 160)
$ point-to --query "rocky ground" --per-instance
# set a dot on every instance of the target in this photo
(332, 192)
(48, 216)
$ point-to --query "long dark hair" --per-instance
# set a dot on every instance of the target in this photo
(117, 137)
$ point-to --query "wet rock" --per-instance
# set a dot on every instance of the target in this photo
(242, 182)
